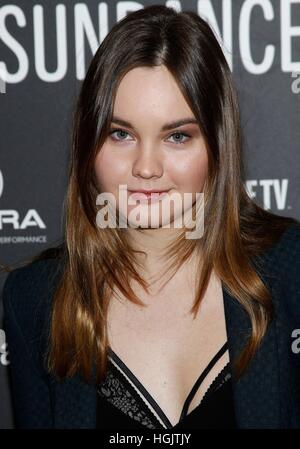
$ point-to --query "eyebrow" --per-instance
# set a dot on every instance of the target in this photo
(165, 127)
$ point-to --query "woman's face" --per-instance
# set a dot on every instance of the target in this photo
(145, 154)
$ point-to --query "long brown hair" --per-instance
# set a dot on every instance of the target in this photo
(96, 261)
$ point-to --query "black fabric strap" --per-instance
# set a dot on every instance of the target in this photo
(201, 378)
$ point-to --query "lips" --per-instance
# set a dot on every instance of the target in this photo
(148, 190)
(144, 195)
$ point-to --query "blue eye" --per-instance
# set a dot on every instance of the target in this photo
(122, 131)
(180, 134)
(112, 131)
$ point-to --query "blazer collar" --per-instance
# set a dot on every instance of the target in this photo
(255, 394)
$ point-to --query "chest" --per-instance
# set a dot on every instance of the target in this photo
(165, 347)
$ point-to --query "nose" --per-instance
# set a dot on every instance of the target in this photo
(148, 163)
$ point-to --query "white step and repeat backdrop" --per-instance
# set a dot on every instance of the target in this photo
(45, 49)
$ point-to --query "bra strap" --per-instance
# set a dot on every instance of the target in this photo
(200, 379)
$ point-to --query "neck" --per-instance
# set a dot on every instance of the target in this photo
(155, 243)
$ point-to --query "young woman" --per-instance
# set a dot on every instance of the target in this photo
(139, 326)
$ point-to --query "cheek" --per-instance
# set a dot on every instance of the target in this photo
(190, 173)
(110, 170)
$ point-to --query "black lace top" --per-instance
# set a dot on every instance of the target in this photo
(124, 403)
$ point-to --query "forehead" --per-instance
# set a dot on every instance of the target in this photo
(150, 94)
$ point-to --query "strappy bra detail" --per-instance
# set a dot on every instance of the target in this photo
(122, 395)
(200, 380)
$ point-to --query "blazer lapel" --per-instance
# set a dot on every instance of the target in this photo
(256, 393)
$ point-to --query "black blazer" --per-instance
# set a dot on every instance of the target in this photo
(267, 396)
